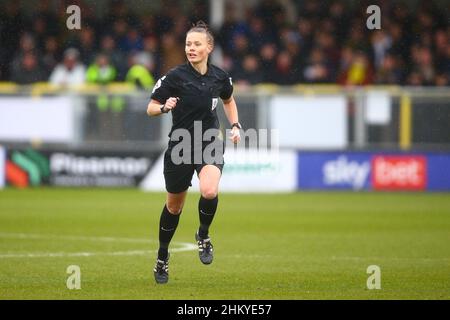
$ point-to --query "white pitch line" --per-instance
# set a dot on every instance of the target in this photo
(335, 258)
(185, 246)
(389, 259)
(71, 238)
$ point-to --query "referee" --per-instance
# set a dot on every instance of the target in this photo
(190, 92)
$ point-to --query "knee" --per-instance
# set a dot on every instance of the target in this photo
(174, 208)
(209, 193)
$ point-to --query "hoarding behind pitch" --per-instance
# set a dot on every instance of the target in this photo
(2, 166)
(332, 170)
(30, 167)
(373, 171)
(310, 122)
(244, 171)
(49, 119)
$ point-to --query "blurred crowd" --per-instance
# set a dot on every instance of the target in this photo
(275, 41)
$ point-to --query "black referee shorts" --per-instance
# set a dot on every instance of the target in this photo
(178, 177)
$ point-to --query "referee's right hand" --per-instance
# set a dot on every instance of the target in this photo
(171, 103)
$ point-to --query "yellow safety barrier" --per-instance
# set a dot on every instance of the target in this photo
(405, 122)
(9, 87)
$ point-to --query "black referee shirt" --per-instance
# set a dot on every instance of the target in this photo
(198, 95)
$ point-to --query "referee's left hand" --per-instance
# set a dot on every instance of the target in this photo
(235, 135)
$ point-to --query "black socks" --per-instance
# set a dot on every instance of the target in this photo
(167, 225)
(206, 210)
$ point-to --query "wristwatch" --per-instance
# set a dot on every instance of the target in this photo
(236, 124)
(162, 109)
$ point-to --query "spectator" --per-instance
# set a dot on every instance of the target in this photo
(305, 31)
(27, 45)
(286, 72)
(228, 28)
(270, 30)
(268, 55)
(172, 52)
(447, 62)
(258, 34)
(441, 47)
(151, 47)
(327, 43)
(442, 80)
(29, 70)
(424, 65)
(290, 42)
(356, 39)
(115, 56)
(44, 12)
(87, 45)
(424, 22)
(339, 14)
(240, 49)
(51, 54)
(381, 43)
(165, 19)
(267, 9)
(415, 79)
(181, 27)
(13, 23)
(138, 74)
(390, 71)
(358, 72)
(132, 41)
(312, 8)
(400, 41)
(148, 25)
(317, 70)
(40, 31)
(119, 11)
(119, 32)
(101, 71)
(347, 55)
(249, 73)
(70, 71)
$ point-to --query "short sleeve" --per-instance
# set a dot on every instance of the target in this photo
(227, 89)
(164, 88)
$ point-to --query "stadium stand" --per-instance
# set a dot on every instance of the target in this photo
(280, 42)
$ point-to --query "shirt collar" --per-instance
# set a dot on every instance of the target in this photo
(198, 74)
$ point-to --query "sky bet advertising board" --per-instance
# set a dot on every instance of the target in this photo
(373, 171)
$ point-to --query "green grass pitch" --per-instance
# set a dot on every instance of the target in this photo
(271, 246)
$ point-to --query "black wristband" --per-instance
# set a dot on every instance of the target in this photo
(163, 108)
(236, 124)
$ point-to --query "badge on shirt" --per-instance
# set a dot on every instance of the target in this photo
(214, 103)
(158, 84)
